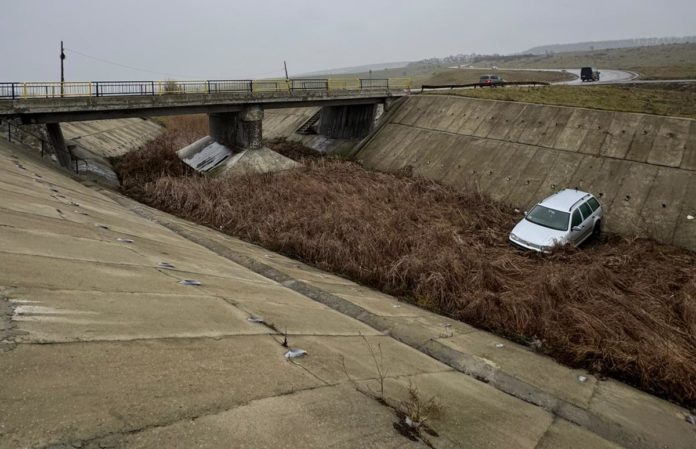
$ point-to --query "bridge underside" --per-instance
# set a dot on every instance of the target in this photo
(57, 110)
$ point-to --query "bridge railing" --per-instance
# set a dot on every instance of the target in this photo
(14, 91)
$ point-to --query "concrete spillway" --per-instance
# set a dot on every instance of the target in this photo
(642, 167)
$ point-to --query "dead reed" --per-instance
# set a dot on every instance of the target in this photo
(621, 307)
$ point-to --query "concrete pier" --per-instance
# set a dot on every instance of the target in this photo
(347, 122)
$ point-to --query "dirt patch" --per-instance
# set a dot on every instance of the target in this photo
(621, 307)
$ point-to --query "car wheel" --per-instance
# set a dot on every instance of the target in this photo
(597, 230)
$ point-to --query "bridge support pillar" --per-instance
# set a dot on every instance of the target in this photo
(241, 130)
(347, 122)
(57, 141)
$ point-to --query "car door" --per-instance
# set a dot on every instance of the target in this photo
(588, 220)
(576, 229)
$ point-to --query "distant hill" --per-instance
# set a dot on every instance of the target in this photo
(604, 45)
(359, 69)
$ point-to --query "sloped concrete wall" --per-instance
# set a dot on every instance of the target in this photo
(642, 167)
(109, 138)
(282, 123)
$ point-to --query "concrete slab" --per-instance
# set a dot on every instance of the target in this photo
(531, 179)
(644, 137)
(621, 132)
(527, 366)
(336, 417)
(562, 170)
(629, 200)
(80, 391)
(563, 434)
(471, 419)
(670, 142)
(663, 205)
(685, 228)
(689, 160)
(69, 315)
(347, 359)
(643, 417)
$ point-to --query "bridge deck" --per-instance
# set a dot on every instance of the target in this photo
(56, 102)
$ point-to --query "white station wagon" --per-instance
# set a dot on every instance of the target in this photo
(569, 216)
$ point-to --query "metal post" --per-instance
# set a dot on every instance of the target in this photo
(62, 71)
(12, 86)
(152, 85)
(9, 131)
(285, 64)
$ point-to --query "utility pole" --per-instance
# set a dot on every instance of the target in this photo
(285, 64)
(62, 70)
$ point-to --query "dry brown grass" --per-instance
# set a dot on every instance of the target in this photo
(623, 307)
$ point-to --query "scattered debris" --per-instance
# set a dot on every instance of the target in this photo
(499, 345)
(102, 226)
(166, 265)
(192, 282)
(582, 379)
(124, 240)
(536, 344)
(73, 203)
(54, 190)
(396, 306)
(690, 217)
(255, 319)
(80, 212)
(295, 353)
(691, 419)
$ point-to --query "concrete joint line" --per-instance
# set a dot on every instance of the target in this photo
(116, 438)
(469, 364)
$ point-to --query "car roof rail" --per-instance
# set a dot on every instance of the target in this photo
(579, 201)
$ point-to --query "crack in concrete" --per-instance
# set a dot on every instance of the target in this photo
(113, 439)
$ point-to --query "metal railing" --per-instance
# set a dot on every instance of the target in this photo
(475, 85)
(44, 144)
(17, 91)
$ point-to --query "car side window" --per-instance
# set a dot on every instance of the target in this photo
(577, 218)
(586, 211)
(593, 203)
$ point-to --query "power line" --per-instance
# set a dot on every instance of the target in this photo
(139, 69)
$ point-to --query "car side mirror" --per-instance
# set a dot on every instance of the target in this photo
(576, 228)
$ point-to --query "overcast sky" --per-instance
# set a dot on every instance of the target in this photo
(229, 39)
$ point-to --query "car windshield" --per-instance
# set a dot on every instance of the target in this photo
(549, 218)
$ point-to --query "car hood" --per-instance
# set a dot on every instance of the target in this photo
(538, 235)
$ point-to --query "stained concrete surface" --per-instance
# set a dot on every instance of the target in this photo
(639, 166)
(107, 349)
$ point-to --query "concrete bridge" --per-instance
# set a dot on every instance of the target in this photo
(235, 107)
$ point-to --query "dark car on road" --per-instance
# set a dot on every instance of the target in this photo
(491, 80)
(589, 74)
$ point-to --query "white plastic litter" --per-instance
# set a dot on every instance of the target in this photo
(255, 319)
(396, 306)
(295, 353)
(499, 345)
(690, 217)
(190, 282)
(166, 265)
(582, 379)
(124, 240)
(691, 419)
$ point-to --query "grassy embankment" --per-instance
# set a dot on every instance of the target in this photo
(675, 61)
(671, 100)
(427, 75)
(623, 307)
